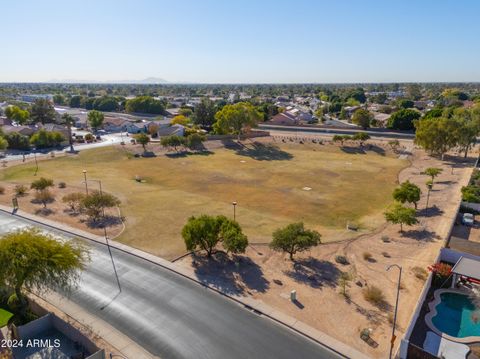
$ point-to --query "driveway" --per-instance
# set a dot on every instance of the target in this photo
(174, 317)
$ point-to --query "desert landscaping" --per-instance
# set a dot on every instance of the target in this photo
(320, 183)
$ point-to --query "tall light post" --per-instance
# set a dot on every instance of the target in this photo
(86, 184)
(392, 341)
(105, 234)
(234, 203)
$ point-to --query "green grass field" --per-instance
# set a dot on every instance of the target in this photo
(267, 182)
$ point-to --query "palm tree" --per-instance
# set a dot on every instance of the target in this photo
(68, 120)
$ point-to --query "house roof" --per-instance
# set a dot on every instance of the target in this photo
(5, 121)
(467, 267)
(115, 121)
(24, 130)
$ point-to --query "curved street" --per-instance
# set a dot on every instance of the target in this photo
(174, 317)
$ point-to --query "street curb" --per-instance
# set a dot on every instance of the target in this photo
(257, 306)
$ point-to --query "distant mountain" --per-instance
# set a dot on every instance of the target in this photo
(146, 81)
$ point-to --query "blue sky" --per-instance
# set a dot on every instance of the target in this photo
(223, 41)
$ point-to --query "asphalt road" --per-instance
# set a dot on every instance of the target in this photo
(333, 131)
(173, 317)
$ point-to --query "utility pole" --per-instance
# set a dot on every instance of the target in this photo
(392, 341)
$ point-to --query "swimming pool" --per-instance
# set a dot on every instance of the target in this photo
(454, 313)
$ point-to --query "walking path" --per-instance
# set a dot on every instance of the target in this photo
(120, 341)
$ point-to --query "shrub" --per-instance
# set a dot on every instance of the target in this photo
(341, 260)
(41, 184)
(89, 137)
(44, 196)
(420, 273)
(74, 201)
(367, 256)
(374, 295)
(386, 255)
(385, 239)
(62, 185)
(2, 190)
(21, 190)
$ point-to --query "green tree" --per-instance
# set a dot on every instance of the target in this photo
(466, 134)
(17, 141)
(3, 144)
(172, 141)
(58, 99)
(95, 119)
(403, 119)
(361, 137)
(436, 135)
(294, 238)
(46, 139)
(144, 104)
(96, 202)
(341, 138)
(16, 114)
(362, 118)
(42, 111)
(180, 120)
(404, 103)
(407, 192)
(35, 261)
(399, 214)
(234, 119)
(204, 114)
(76, 101)
(195, 141)
(143, 139)
(206, 232)
(432, 172)
(41, 184)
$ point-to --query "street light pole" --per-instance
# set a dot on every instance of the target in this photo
(392, 341)
(106, 236)
(234, 203)
(86, 184)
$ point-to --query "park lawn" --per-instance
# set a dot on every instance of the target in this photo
(267, 182)
(5, 316)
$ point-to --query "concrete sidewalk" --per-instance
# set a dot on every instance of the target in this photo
(250, 303)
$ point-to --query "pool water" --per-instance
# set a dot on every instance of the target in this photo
(457, 316)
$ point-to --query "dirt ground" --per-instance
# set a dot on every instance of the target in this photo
(58, 211)
(270, 276)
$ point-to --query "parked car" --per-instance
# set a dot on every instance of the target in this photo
(468, 219)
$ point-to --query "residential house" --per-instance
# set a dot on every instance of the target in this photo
(135, 127)
(23, 130)
(5, 121)
(173, 130)
(114, 124)
(284, 118)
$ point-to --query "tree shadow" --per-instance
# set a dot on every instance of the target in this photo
(372, 316)
(314, 272)
(44, 211)
(353, 150)
(107, 221)
(421, 235)
(430, 212)
(377, 149)
(259, 151)
(237, 275)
